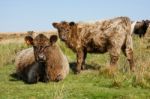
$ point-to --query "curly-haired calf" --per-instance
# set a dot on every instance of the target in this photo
(44, 61)
(111, 36)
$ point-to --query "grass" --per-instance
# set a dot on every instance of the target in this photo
(8, 50)
(89, 84)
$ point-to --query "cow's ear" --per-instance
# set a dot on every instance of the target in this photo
(72, 23)
(28, 40)
(54, 24)
(53, 39)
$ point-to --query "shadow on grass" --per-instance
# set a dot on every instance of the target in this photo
(14, 77)
(87, 66)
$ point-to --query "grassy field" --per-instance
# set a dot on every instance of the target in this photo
(93, 83)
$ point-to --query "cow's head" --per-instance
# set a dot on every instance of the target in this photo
(65, 29)
(147, 22)
(41, 44)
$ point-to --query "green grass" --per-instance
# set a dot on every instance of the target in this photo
(89, 84)
(8, 52)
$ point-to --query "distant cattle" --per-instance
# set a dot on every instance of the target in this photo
(140, 28)
(112, 35)
(45, 61)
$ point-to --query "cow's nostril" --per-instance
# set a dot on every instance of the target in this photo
(41, 57)
(58, 78)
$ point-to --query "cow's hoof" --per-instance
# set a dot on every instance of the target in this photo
(77, 72)
(46, 79)
(83, 67)
(133, 69)
(58, 78)
(112, 70)
(31, 82)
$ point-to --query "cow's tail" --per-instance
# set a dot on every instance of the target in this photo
(132, 26)
(129, 42)
(129, 48)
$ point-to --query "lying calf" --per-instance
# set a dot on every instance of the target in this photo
(45, 61)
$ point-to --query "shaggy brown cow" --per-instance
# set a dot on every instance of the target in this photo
(49, 60)
(140, 28)
(111, 35)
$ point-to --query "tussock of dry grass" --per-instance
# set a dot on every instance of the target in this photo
(8, 50)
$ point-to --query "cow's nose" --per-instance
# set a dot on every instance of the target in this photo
(58, 78)
(41, 57)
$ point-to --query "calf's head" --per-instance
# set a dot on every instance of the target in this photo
(65, 29)
(41, 44)
(147, 23)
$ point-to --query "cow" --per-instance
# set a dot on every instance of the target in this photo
(140, 28)
(45, 61)
(112, 35)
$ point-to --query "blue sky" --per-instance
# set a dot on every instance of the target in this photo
(37, 15)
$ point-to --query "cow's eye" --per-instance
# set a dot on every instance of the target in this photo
(41, 47)
(67, 30)
(61, 28)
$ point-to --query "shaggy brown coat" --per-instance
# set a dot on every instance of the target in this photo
(24, 61)
(111, 36)
(56, 63)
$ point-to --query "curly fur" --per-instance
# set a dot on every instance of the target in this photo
(112, 35)
(28, 69)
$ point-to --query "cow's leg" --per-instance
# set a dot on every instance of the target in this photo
(113, 64)
(113, 61)
(114, 56)
(83, 63)
(80, 58)
(129, 53)
(32, 75)
(124, 50)
(45, 75)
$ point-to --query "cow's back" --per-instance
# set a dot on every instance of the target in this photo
(24, 58)
(97, 36)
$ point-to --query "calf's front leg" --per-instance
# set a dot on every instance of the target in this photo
(80, 58)
(83, 62)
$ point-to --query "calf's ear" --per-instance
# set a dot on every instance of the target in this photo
(28, 40)
(54, 24)
(53, 39)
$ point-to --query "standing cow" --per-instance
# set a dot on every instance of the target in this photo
(111, 36)
(45, 60)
